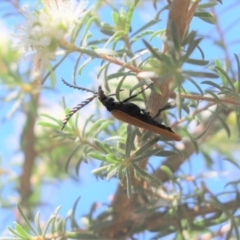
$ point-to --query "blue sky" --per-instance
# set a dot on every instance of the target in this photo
(65, 192)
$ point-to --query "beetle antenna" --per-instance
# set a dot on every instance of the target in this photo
(77, 87)
(114, 94)
(169, 105)
(75, 109)
(133, 96)
(152, 50)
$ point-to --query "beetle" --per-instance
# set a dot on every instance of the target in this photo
(125, 111)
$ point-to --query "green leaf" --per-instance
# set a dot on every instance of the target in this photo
(116, 41)
(98, 156)
(71, 155)
(158, 55)
(107, 29)
(48, 224)
(157, 33)
(185, 108)
(12, 96)
(131, 134)
(100, 169)
(133, 59)
(26, 220)
(232, 161)
(144, 174)
(214, 96)
(129, 183)
(205, 16)
(106, 85)
(103, 147)
(217, 204)
(192, 45)
(112, 172)
(179, 99)
(222, 77)
(88, 52)
(84, 35)
(225, 126)
(197, 62)
(98, 125)
(79, 26)
(102, 68)
(146, 26)
(118, 138)
(209, 124)
(114, 37)
(37, 223)
(207, 5)
(129, 17)
(232, 183)
(79, 71)
(46, 124)
(148, 145)
(97, 42)
(120, 173)
(56, 211)
(218, 101)
(112, 158)
(50, 117)
(238, 121)
(20, 230)
(200, 74)
(226, 76)
(11, 237)
(104, 126)
(195, 144)
(72, 217)
(196, 85)
(164, 153)
(166, 7)
(175, 36)
(201, 52)
(167, 171)
(60, 225)
(115, 17)
(85, 40)
(146, 155)
(118, 89)
(208, 159)
(82, 236)
(16, 234)
(82, 158)
(13, 109)
(119, 74)
(141, 35)
(212, 84)
(238, 69)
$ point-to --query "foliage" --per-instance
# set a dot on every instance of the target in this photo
(163, 198)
